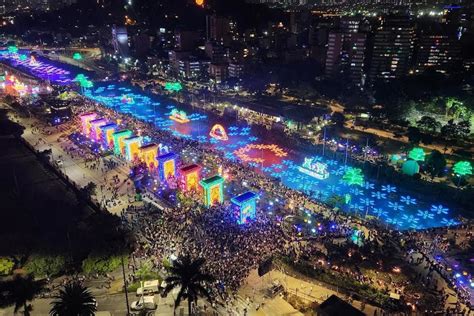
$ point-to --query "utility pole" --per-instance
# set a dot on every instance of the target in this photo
(125, 286)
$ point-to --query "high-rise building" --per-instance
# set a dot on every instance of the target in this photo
(357, 54)
(218, 29)
(120, 40)
(186, 40)
(334, 52)
(438, 52)
(393, 48)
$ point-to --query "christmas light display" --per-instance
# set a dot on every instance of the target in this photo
(410, 167)
(213, 190)
(119, 144)
(107, 132)
(314, 169)
(179, 116)
(95, 131)
(417, 154)
(132, 147)
(218, 132)
(353, 176)
(189, 177)
(148, 154)
(173, 86)
(167, 166)
(462, 168)
(77, 56)
(86, 119)
(246, 205)
(243, 152)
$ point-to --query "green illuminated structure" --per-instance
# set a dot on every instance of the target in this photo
(417, 154)
(353, 176)
(173, 86)
(77, 56)
(462, 168)
(12, 49)
(119, 144)
(213, 190)
(410, 167)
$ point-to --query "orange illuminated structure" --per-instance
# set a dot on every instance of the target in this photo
(108, 131)
(189, 177)
(218, 132)
(119, 144)
(213, 190)
(86, 119)
(200, 3)
(167, 166)
(132, 147)
(179, 116)
(244, 152)
(148, 155)
(95, 131)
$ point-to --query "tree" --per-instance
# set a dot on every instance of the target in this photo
(427, 123)
(338, 119)
(462, 168)
(100, 264)
(453, 131)
(75, 300)
(19, 291)
(6, 266)
(45, 265)
(187, 275)
(414, 135)
(88, 190)
(435, 163)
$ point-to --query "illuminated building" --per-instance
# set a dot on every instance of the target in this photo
(438, 52)
(189, 177)
(213, 190)
(148, 155)
(120, 40)
(119, 144)
(95, 131)
(218, 132)
(314, 169)
(108, 131)
(167, 166)
(179, 116)
(393, 48)
(86, 119)
(132, 147)
(246, 204)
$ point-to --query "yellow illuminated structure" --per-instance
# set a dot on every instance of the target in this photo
(148, 154)
(189, 177)
(132, 147)
(167, 166)
(218, 132)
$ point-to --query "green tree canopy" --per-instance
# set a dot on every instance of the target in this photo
(6, 265)
(435, 163)
(417, 154)
(427, 123)
(45, 265)
(73, 299)
(101, 264)
(462, 168)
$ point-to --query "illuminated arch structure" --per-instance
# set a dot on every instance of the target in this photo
(86, 118)
(119, 144)
(218, 132)
(148, 155)
(189, 177)
(132, 147)
(108, 131)
(95, 131)
(167, 166)
(213, 190)
(246, 204)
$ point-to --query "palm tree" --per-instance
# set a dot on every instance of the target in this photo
(73, 300)
(19, 291)
(188, 276)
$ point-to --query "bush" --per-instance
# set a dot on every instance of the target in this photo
(101, 264)
(45, 265)
(6, 266)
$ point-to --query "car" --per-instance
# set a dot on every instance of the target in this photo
(148, 287)
(144, 303)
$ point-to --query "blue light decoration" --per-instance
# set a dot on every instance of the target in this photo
(167, 166)
(314, 168)
(246, 204)
(439, 209)
(108, 131)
